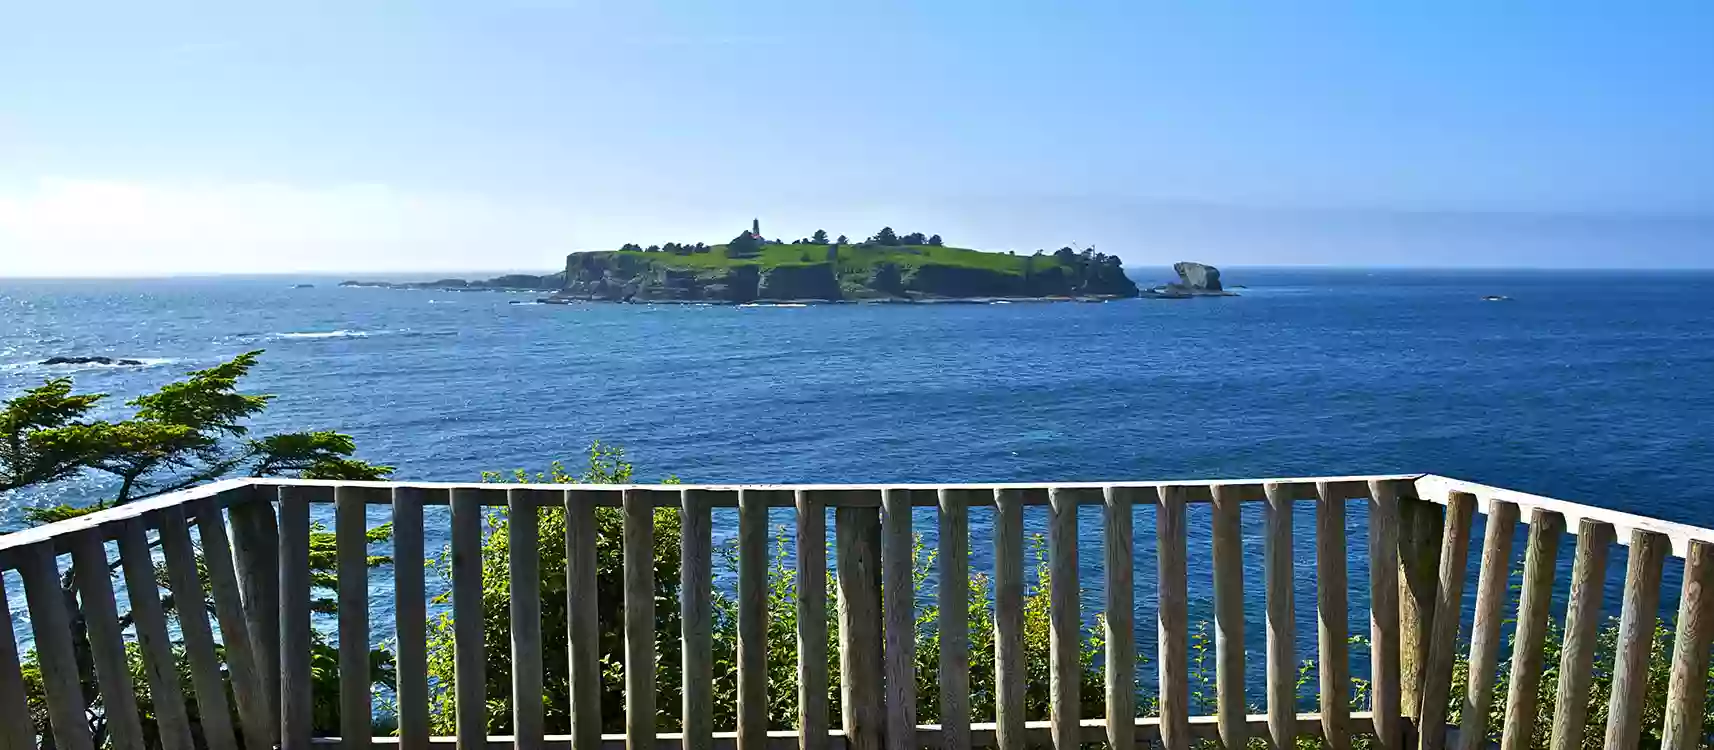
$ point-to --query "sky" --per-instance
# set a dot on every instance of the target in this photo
(170, 138)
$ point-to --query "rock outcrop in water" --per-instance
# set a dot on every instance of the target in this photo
(1194, 280)
(92, 361)
(508, 282)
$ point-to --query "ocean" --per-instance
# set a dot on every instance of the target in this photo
(1591, 386)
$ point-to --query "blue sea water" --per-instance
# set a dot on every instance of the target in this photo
(1589, 386)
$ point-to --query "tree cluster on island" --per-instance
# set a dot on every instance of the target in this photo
(747, 243)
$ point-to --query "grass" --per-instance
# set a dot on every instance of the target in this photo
(852, 258)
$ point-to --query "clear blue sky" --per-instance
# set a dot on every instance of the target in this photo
(170, 137)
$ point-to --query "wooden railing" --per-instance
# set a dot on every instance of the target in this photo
(254, 542)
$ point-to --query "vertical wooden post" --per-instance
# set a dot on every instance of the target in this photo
(253, 709)
(297, 698)
(55, 653)
(1541, 561)
(1420, 524)
(1582, 620)
(410, 621)
(523, 557)
(1121, 624)
(639, 556)
(1173, 618)
(1443, 635)
(470, 669)
(1064, 622)
(696, 602)
(954, 621)
(1485, 632)
(160, 666)
(21, 735)
(212, 707)
(1282, 617)
(106, 641)
(1009, 619)
(256, 552)
(1636, 637)
(1384, 669)
(582, 629)
(1687, 688)
(1229, 619)
(752, 620)
(899, 608)
(858, 538)
(812, 620)
(1333, 616)
(352, 539)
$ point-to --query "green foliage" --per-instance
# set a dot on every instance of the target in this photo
(885, 237)
(820, 237)
(187, 432)
(606, 465)
(43, 438)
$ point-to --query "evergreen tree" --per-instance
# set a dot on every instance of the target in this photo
(885, 237)
(820, 237)
(914, 238)
(935, 241)
(843, 240)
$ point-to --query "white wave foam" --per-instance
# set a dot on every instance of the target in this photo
(339, 334)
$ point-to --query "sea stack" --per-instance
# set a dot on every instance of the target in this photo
(1198, 276)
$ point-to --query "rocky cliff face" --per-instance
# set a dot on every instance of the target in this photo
(621, 277)
(808, 281)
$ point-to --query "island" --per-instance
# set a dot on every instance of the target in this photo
(886, 267)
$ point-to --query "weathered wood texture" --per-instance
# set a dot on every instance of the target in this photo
(410, 621)
(19, 735)
(1443, 635)
(858, 542)
(1523, 702)
(812, 670)
(160, 666)
(696, 602)
(1009, 618)
(351, 537)
(582, 627)
(752, 620)
(1582, 619)
(898, 606)
(1064, 622)
(1173, 618)
(1333, 617)
(186, 588)
(297, 726)
(254, 712)
(954, 601)
(1384, 640)
(1420, 524)
(106, 641)
(1120, 621)
(523, 558)
(1687, 687)
(470, 669)
(55, 652)
(1282, 618)
(639, 558)
(1636, 637)
(1491, 581)
(1229, 620)
(256, 553)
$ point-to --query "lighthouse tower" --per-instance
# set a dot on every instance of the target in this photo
(756, 228)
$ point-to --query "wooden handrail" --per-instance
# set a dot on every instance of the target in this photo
(253, 536)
